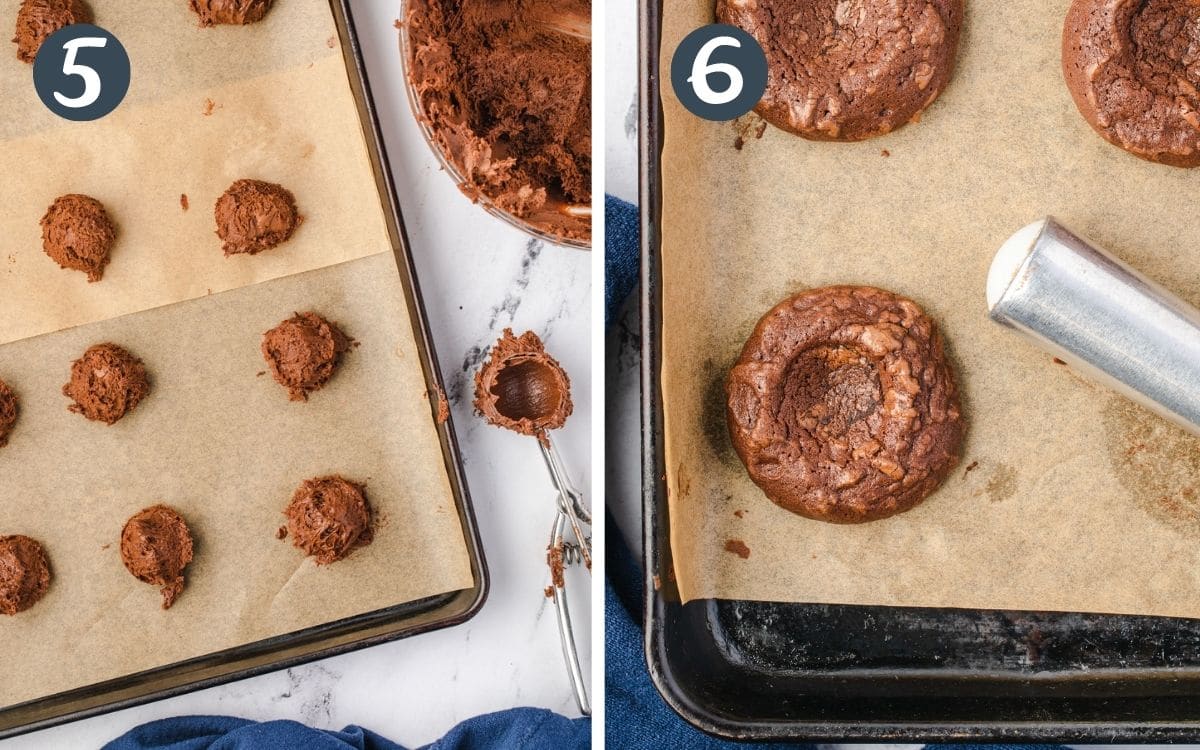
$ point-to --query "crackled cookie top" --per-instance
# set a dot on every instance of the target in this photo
(1133, 68)
(848, 70)
(843, 406)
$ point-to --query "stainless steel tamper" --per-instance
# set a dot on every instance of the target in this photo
(1102, 317)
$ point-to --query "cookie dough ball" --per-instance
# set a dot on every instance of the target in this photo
(156, 546)
(107, 383)
(843, 406)
(1133, 69)
(522, 388)
(38, 19)
(9, 408)
(24, 574)
(236, 12)
(329, 517)
(848, 70)
(303, 353)
(253, 216)
(77, 234)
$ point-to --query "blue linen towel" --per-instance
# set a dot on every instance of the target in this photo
(516, 729)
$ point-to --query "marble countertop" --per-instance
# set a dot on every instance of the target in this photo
(478, 275)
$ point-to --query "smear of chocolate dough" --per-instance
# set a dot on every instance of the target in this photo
(38, 19)
(234, 12)
(78, 235)
(24, 573)
(505, 87)
(522, 388)
(156, 546)
(329, 517)
(303, 353)
(107, 383)
(253, 216)
(9, 409)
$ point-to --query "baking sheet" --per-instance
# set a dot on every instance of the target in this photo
(225, 447)
(1075, 499)
(206, 107)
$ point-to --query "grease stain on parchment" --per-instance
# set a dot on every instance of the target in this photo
(1156, 462)
(715, 424)
(1002, 483)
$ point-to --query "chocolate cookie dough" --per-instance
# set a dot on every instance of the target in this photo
(253, 216)
(505, 86)
(303, 353)
(38, 19)
(329, 517)
(521, 388)
(9, 408)
(107, 383)
(848, 70)
(156, 546)
(236, 12)
(843, 406)
(77, 234)
(24, 574)
(1133, 68)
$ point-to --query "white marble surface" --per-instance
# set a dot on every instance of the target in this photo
(478, 275)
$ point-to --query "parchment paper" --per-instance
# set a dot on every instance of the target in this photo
(217, 438)
(1074, 500)
(281, 110)
(227, 449)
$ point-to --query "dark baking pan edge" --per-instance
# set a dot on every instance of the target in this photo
(330, 639)
(1141, 688)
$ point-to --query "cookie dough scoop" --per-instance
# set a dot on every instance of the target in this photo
(1083, 305)
(156, 545)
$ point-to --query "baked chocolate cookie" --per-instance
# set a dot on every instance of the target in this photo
(1133, 68)
(24, 573)
(848, 70)
(106, 383)
(843, 406)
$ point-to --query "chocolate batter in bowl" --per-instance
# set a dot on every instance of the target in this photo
(843, 405)
(502, 92)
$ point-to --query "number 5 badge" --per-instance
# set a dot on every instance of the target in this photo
(81, 72)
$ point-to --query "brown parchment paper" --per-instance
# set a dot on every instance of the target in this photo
(280, 109)
(225, 447)
(1074, 499)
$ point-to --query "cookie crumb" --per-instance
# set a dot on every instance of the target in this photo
(737, 547)
(549, 592)
(885, 153)
(183, 201)
(281, 532)
(972, 467)
(740, 513)
(209, 106)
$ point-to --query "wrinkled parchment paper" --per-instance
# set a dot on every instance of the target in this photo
(217, 438)
(280, 110)
(225, 447)
(1068, 497)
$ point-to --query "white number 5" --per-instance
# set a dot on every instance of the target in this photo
(91, 79)
(702, 69)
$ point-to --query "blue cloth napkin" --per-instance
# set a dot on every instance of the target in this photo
(621, 268)
(517, 729)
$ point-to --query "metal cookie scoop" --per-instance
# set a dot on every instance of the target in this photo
(1101, 316)
(524, 389)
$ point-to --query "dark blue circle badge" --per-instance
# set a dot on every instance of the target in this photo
(719, 72)
(81, 72)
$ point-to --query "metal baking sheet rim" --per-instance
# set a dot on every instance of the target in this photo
(657, 566)
(323, 641)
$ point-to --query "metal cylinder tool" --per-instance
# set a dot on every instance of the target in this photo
(1102, 317)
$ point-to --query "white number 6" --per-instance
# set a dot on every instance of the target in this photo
(91, 79)
(702, 69)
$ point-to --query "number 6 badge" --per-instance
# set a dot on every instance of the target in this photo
(81, 72)
(719, 72)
